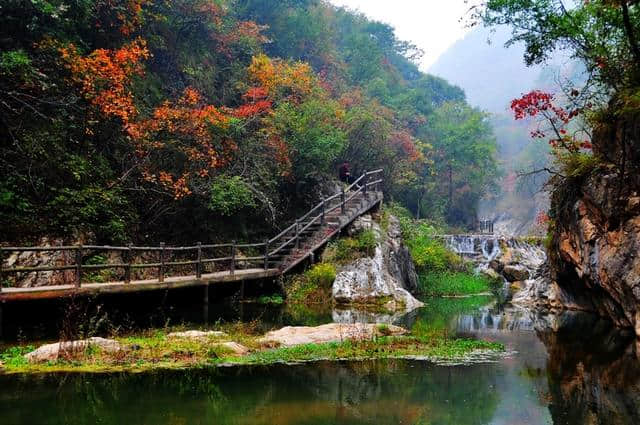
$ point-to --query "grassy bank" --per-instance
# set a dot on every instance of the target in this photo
(155, 350)
(451, 283)
(442, 272)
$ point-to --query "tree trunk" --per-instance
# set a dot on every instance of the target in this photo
(450, 186)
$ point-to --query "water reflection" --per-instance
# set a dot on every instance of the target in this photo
(567, 369)
(391, 392)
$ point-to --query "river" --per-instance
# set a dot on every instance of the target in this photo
(569, 369)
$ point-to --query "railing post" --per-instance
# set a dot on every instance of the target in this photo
(233, 257)
(162, 260)
(79, 266)
(342, 203)
(199, 265)
(364, 179)
(266, 254)
(297, 234)
(127, 267)
(323, 212)
(1, 271)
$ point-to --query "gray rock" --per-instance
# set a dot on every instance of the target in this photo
(332, 332)
(491, 273)
(382, 280)
(52, 352)
(235, 348)
(515, 273)
(362, 223)
(400, 263)
(368, 281)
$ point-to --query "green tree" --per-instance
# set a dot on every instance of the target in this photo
(464, 162)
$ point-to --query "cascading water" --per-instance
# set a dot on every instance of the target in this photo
(486, 248)
(490, 249)
(462, 244)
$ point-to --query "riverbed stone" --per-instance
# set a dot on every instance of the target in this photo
(51, 352)
(333, 332)
(235, 348)
(491, 274)
(197, 334)
(515, 273)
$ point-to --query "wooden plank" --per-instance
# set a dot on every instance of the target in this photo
(61, 291)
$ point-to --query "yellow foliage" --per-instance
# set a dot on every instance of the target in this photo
(276, 75)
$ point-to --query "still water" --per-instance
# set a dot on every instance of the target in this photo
(570, 369)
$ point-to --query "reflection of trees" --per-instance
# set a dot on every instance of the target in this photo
(594, 373)
(439, 314)
(323, 393)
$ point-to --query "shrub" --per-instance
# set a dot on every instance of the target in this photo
(321, 275)
(346, 250)
(366, 242)
(273, 299)
(430, 254)
(313, 286)
(578, 164)
(229, 195)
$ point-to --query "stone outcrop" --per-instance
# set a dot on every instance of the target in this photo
(595, 260)
(515, 273)
(52, 352)
(382, 279)
(332, 332)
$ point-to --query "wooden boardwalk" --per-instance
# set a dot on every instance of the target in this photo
(279, 254)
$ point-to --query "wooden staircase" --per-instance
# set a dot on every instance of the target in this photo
(279, 255)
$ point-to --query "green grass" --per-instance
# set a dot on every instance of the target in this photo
(384, 347)
(154, 350)
(454, 283)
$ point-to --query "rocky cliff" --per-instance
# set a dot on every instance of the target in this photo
(595, 254)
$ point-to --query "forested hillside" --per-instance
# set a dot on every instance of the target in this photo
(148, 120)
(492, 75)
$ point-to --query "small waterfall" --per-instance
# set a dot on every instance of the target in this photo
(490, 249)
(486, 248)
(462, 244)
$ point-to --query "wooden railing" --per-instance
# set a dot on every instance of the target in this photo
(273, 251)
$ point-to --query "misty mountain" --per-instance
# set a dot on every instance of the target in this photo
(490, 74)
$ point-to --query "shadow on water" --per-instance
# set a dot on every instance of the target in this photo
(562, 369)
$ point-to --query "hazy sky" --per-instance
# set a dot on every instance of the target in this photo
(432, 25)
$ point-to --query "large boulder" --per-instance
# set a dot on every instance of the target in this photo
(515, 273)
(382, 279)
(332, 332)
(52, 352)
